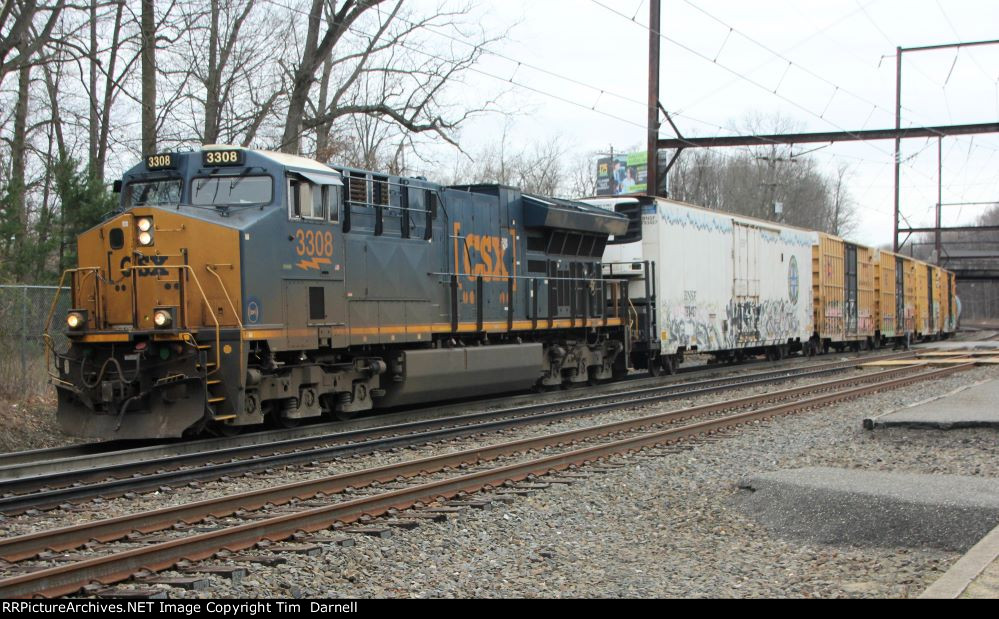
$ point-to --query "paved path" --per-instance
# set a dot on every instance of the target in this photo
(974, 407)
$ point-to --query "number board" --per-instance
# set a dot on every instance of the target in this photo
(222, 157)
(161, 161)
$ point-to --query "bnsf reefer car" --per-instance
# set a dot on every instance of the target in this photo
(707, 281)
(235, 286)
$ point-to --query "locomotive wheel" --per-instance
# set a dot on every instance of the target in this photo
(277, 419)
(344, 415)
(226, 430)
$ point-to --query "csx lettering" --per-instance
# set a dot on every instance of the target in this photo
(144, 261)
(484, 255)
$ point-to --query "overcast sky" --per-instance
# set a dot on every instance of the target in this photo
(831, 63)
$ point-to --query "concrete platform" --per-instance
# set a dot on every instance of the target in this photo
(957, 345)
(975, 575)
(850, 506)
(974, 406)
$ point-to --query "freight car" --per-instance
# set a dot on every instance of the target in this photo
(843, 277)
(896, 301)
(707, 281)
(237, 286)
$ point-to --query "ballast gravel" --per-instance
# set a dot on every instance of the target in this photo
(663, 524)
(112, 507)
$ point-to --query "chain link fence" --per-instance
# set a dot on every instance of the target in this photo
(23, 311)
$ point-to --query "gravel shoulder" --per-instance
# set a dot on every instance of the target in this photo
(105, 508)
(660, 526)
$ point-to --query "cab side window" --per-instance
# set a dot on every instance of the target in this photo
(334, 195)
(313, 199)
(307, 201)
(294, 198)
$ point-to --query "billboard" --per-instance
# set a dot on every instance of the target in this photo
(622, 174)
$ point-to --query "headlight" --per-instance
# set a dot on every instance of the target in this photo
(162, 318)
(145, 224)
(145, 238)
(76, 319)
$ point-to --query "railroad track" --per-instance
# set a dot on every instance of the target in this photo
(107, 475)
(297, 509)
(39, 461)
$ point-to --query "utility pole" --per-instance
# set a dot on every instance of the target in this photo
(769, 207)
(652, 163)
(898, 142)
(938, 244)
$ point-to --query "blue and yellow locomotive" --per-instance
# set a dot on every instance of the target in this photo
(235, 287)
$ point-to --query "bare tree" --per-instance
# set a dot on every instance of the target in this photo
(235, 82)
(15, 230)
(843, 213)
(148, 77)
(314, 53)
(383, 62)
(17, 18)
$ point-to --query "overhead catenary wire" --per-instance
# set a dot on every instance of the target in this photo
(791, 63)
(601, 92)
(699, 54)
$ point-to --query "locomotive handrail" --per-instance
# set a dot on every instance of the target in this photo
(204, 297)
(506, 277)
(616, 285)
(235, 314)
(211, 269)
(49, 346)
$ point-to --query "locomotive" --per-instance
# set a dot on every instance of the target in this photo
(235, 287)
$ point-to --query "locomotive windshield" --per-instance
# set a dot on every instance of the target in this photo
(232, 190)
(164, 192)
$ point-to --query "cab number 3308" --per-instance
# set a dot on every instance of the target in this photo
(314, 243)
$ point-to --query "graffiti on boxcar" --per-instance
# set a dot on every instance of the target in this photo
(691, 326)
(742, 323)
(766, 321)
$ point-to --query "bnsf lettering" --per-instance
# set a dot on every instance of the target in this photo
(145, 261)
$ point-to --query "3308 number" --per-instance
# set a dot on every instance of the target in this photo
(222, 156)
(314, 243)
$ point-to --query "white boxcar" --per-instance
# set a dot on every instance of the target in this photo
(723, 282)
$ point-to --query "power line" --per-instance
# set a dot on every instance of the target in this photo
(730, 70)
(509, 80)
(837, 88)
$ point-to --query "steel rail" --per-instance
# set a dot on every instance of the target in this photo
(26, 546)
(150, 474)
(22, 547)
(86, 456)
(66, 579)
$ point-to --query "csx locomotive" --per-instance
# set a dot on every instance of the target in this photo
(234, 287)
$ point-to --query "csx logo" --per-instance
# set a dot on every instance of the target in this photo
(144, 261)
(481, 255)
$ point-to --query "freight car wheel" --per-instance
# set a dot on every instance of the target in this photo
(669, 364)
(655, 365)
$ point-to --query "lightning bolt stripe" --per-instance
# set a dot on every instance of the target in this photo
(313, 263)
